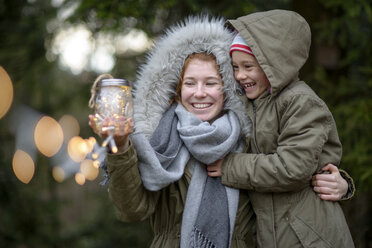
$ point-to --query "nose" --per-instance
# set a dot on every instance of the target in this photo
(239, 75)
(200, 91)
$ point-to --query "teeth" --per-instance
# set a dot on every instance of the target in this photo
(201, 105)
(248, 85)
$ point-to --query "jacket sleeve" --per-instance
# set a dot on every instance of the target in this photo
(351, 186)
(306, 128)
(131, 199)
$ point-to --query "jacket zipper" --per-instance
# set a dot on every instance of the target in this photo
(254, 125)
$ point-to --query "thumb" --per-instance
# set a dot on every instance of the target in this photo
(330, 167)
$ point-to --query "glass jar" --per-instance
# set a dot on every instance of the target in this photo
(113, 98)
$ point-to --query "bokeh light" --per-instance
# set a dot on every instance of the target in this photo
(88, 169)
(96, 163)
(70, 126)
(92, 141)
(6, 92)
(48, 136)
(23, 166)
(79, 178)
(74, 45)
(58, 174)
(78, 148)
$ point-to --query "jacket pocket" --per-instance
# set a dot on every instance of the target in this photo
(308, 237)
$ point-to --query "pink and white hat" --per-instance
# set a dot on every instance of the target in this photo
(239, 44)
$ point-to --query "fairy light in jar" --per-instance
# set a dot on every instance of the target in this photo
(111, 98)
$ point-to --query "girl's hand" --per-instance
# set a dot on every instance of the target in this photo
(123, 128)
(332, 186)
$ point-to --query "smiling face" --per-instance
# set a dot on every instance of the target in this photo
(201, 90)
(249, 74)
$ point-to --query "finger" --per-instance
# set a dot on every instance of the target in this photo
(105, 121)
(331, 168)
(129, 126)
(327, 184)
(325, 190)
(326, 167)
(325, 177)
(91, 121)
(113, 120)
(130, 121)
(120, 126)
(313, 182)
(214, 174)
(212, 168)
(211, 174)
(93, 124)
(329, 197)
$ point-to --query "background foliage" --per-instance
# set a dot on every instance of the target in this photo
(45, 213)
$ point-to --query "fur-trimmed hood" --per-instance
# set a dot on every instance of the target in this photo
(280, 41)
(158, 77)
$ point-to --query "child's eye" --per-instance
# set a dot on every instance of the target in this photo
(235, 67)
(248, 66)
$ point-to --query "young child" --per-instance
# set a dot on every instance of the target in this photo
(294, 135)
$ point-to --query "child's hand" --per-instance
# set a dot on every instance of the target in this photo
(215, 169)
(332, 186)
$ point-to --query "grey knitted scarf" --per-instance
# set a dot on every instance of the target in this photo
(210, 208)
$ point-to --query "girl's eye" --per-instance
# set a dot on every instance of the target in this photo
(213, 83)
(235, 67)
(189, 83)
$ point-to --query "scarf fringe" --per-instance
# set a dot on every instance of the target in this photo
(198, 240)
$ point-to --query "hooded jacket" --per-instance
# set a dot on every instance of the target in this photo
(293, 136)
(155, 86)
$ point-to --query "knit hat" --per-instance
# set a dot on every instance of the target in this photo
(239, 44)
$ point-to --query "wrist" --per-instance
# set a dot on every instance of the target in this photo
(123, 147)
(351, 187)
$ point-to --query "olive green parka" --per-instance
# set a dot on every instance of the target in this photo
(293, 136)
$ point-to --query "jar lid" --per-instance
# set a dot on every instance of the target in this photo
(114, 82)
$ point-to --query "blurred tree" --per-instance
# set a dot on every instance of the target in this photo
(342, 75)
(28, 218)
(346, 83)
(43, 212)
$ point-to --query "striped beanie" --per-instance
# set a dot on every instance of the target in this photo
(239, 44)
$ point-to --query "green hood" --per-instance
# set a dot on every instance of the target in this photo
(280, 40)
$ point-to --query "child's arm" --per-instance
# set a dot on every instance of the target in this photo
(333, 186)
(307, 141)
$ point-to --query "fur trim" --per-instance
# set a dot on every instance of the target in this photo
(158, 77)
